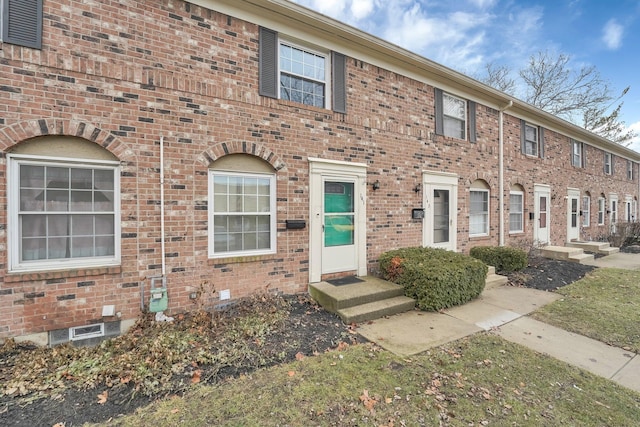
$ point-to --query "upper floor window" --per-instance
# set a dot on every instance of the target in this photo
(577, 154)
(532, 140)
(65, 213)
(454, 116)
(629, 170)
(302, 74)
(21, 22)
(608, 166)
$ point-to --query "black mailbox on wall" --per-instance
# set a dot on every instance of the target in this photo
(417, 213)
(296, 224)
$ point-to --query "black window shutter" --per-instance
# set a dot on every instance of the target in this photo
(604, 169)
(541, 143)
(268, 56)
(584, 154)
(523, 132)
(339, 82)
(22, 23)
(439, 112)
(472, 122)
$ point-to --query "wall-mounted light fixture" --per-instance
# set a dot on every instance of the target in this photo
(417, 188)
(376, 185)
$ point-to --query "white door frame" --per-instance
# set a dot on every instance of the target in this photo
(573, 232)
(538, 191)
(614, 214)
(319, 169)
(433, 181)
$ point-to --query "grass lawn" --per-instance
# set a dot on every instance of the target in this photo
(605, 306)
(480, 380)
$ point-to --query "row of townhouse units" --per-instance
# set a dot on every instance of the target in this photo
(158, 151)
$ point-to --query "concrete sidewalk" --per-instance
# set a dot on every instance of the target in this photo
(503, 310)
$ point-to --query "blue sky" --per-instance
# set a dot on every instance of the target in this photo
(467, 34)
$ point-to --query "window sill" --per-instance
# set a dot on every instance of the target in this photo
(479, 236)
(241, 259)
(515, 233)
(24, 276)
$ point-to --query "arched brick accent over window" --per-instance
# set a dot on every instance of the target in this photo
(22, 131)
(241, 147)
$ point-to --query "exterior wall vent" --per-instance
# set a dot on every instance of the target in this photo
(84, 332)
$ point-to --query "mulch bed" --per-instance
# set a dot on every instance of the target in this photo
(310, 331)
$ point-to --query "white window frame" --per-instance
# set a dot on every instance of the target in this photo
(607, 163)
(484, 214)
(272, 213)
(521, 213)
(586, 211)
(576, 154)
(314, 51)
(602, 207)
(535, 143)
(629, 170)
(16, 265)
(446, 117)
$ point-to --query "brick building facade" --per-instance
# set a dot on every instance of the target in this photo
(293, 148)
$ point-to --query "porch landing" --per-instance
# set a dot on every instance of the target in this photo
(372, 298)
(575, 251)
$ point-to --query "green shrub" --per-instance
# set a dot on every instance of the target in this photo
(503, 258)
(435, 278)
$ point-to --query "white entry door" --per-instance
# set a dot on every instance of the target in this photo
(440, 201)
(573, 214)
(613, 212)
(337, 218)
(541, 202)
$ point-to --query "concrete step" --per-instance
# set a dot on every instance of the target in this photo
(333, 298)
(377, 309)
(564, 253)
(594, 247)
(494, 281)
(581, 258)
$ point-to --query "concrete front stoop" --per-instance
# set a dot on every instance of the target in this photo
(370, 299)
(494, 280)
(564, 253)
(373, 298)
(594, 247)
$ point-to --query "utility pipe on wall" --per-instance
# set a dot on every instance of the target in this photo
(501, 169)
(162, 209)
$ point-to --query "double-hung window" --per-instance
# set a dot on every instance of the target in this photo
(294, 71)
(65, 214)
(530, 140)
(608, 169)
(479, 213)
(629, 170)
(577, 154)
(303, 75)
(601, 210)
(455, 116)
(242, 214)
(586, 211)
(516, 216)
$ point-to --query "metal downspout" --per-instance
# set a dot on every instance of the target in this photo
(501, 169)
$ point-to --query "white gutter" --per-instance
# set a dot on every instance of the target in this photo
(162, 208)
(501, 169)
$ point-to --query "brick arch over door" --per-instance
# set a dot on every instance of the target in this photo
(240, 147)
(22, 131)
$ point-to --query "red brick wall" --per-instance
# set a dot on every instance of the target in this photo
(123, 75)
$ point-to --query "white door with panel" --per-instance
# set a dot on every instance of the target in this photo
(440, 201)
(541, 225)
(573, 214)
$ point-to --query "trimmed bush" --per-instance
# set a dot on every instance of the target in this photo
(503, 258)
(435, 278)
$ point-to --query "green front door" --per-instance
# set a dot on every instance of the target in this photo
(339, 231)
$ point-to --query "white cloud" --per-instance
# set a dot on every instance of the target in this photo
(361, 9)
(612, 34)
(483, 4)
(635, 142)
